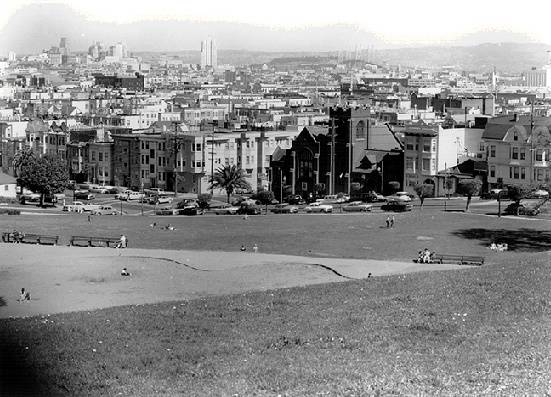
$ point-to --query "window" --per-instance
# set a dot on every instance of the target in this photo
(426, 164)
(515, 136)
(248, 159)
(514, 154)
(360, 130)
(523, 153)
(410, 164)
(227, 161)
(100, 156)
(539, 174)
(197, 147)
(433, 145)
(492, 150)
(267, 158)
(6, 188)
(481, 147)
(511, 172)
(523, 173)
(409, 146)
(515, 172)
(93, 156)
(493, 171)
(539, 155)
(426, 145)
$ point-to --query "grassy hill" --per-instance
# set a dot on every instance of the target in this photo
(472, 331)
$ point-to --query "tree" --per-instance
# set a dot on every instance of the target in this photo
(203, 200)
(46, 175)
(229, 178)
(517, 193)
(424, 190)
(469, 188)
(265, 197)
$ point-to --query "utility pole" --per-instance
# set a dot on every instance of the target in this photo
(350, 155)
(212, 163)
(532, 170)
(332, 165)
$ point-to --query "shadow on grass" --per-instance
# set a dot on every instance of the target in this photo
(2, 301)
(522, 240)
(17, 377)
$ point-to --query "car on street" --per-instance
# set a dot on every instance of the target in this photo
(319, 207)
(105, 210)
(399, 196)
(284, 209)
(228, 210)
(397, 206)
(191, 211)
(294, 199)
(357, 206)
(159, 200)
(84, 195)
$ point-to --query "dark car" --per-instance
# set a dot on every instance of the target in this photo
(191, 211)
(84, 195)
(249, 210)
(397, 206)
(295, 199)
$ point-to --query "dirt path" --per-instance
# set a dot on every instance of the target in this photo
(62, 279)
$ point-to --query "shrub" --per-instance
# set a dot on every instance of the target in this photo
(9, 211)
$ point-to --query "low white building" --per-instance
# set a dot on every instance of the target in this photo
(7, 186)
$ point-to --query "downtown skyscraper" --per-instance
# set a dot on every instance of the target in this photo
(208, 54)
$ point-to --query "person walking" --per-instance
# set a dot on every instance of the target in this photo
(392, 221)
(388, 221)
(255, 248)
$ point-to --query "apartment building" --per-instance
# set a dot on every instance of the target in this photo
(518, 150)
(430, 149)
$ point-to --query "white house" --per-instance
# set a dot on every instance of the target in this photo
(7, 186)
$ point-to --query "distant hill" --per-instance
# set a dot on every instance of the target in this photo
(508, 57)
(39, 26)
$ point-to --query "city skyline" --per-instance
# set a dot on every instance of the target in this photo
(363, 25)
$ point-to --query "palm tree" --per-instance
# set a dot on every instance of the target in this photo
(229, 178)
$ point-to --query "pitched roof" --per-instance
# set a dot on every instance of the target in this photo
(6, 179)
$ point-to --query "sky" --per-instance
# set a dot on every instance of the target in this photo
(396, 21)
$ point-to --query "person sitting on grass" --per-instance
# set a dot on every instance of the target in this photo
(24, 296)
(125, 272)
(243, 248)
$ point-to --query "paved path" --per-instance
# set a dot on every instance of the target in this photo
(64, 279)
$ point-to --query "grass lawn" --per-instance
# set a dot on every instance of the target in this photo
(465, 332)
(471, 331)
(347, 236)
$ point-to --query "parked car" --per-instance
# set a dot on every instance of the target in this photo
(84, 195)
(249, 209)
(285, 209)
(295, 199)
(399, 197)
(103, 189)
(228, 210)
(336, 198)
(29, 198)
(105, 210)
(77, 206)
(357, 206)
(373, 197)
(397, 206)
(319, 207)
(159, 200)
(191, 211)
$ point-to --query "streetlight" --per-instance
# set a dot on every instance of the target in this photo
(142, 199)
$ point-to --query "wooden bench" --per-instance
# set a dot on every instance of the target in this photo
(460, 259)
(94, 241)
(8, 237)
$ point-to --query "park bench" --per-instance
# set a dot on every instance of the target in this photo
(8, 237)
(94, 241)
(460, 259)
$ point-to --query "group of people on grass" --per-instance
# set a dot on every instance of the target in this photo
(425, 256)
(16, 236)
(243, 248)
(500, 247)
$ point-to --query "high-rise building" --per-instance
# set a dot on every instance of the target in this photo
(12, 57)
(208, 54)
(64, 45)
